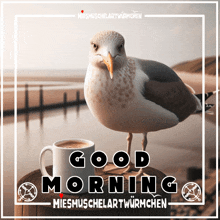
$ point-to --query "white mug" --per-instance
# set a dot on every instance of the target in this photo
(62, 166)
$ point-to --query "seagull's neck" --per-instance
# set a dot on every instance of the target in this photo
(129, 68)
(126, 71)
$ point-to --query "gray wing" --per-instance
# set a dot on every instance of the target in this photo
(158, 71)
(166, 89)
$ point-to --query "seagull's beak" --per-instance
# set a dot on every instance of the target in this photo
(109, 63)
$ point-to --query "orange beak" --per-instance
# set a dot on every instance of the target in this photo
(108, 61)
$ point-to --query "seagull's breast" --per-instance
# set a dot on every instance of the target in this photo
(108, 97)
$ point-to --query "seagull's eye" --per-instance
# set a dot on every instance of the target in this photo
(95, 46)
(120, 47)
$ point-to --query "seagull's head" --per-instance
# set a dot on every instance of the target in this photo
(107, 51)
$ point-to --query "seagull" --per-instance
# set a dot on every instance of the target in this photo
(133, 95)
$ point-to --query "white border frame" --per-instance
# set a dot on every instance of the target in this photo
(203, 89)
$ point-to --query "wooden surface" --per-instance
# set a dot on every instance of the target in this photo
(48, 210)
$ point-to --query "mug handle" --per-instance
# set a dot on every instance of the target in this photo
(42, 162)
